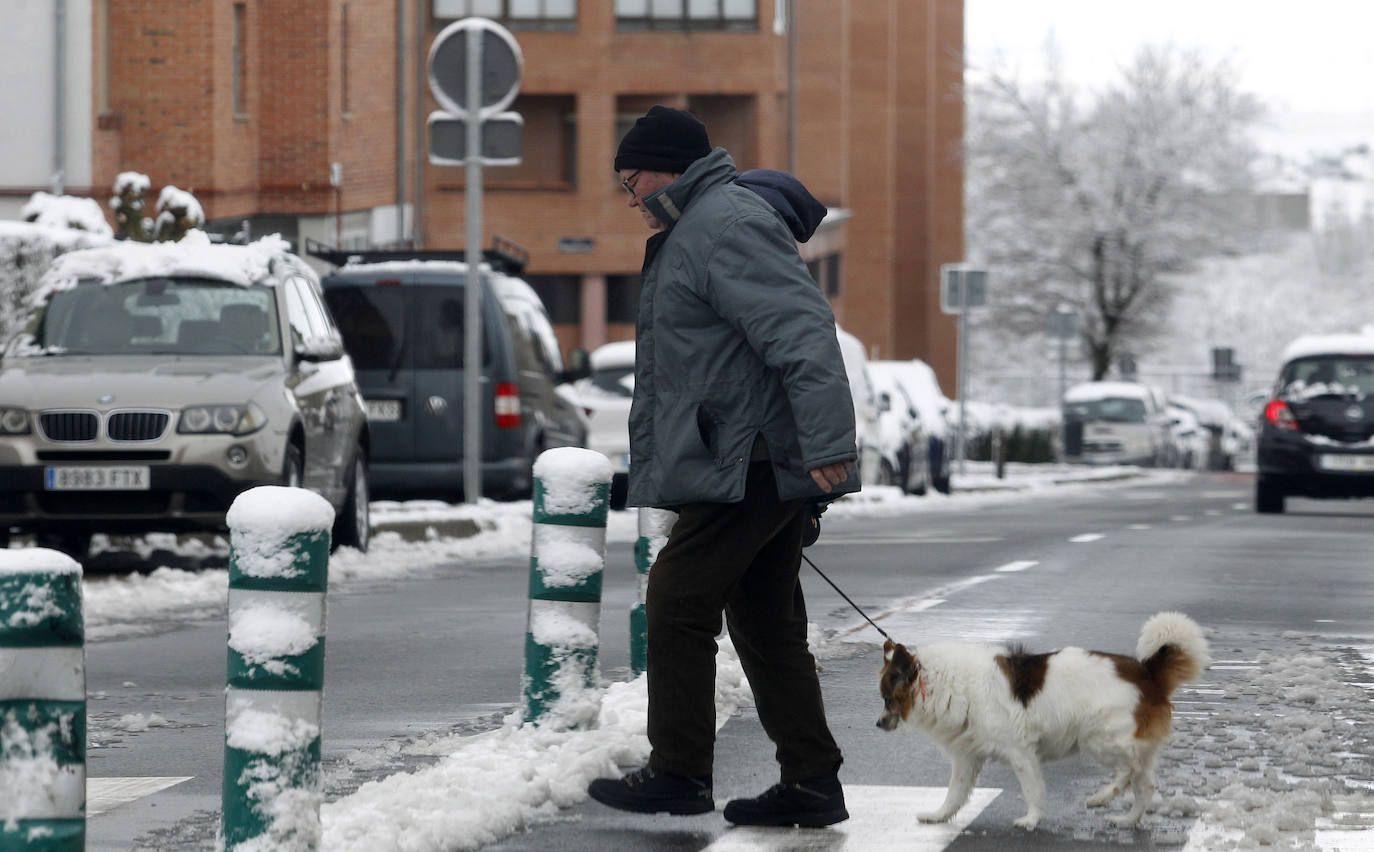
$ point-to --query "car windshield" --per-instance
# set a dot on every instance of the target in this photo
(615, 381)
(1328, 375)
(165, 316)
(1111, 409)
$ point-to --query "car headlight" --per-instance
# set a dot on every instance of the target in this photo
(14, 421)
(221, 419)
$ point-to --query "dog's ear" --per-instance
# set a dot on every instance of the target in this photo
(887, 650)
(904, 665)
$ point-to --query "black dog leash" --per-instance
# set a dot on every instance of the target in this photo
(846, 597)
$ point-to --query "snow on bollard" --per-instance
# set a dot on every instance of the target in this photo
(654, 526)
(42, 702)
(567, 554)
(278, 575)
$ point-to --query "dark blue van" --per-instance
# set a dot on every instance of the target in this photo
(402, 323)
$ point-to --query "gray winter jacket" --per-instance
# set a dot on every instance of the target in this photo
(733, 341)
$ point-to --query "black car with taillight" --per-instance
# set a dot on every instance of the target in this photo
(1316, 432)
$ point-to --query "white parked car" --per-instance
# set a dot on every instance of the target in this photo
(901, 425)
(875, 448)
(918, 379)
(605, 397)
(1115, 423)
(1189, 437)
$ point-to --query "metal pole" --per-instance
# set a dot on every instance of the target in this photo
(42, 703)
(472, 325)
(1063, 348)
(274, 698)
(59, 146)
(959, 437)
(571, 496)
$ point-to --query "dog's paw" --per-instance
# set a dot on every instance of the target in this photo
(1101, 798)
(1028, 822)
(935, 816)
(1123, 821)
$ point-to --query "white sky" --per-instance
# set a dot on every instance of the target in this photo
(1310, 62)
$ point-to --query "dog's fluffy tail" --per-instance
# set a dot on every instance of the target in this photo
(1172, 648)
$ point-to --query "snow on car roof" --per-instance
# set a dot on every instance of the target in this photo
(1329, 344)
(1105, 390)
(193, 255)
(618, 354)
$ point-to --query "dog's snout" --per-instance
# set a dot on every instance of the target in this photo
(888, 722)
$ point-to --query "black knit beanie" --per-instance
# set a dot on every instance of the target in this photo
(663, 140)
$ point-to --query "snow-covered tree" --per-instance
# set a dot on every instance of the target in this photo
(1092, 198)
(177, 212)
(129, 203)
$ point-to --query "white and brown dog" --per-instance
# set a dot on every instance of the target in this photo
(979, 704)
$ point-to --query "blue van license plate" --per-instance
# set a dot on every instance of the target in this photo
(384, 410)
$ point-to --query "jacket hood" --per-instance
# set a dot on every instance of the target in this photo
(785, 194)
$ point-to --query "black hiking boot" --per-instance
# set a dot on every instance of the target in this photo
(812, 803)
(647, 791)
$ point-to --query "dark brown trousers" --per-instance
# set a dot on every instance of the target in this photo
(743, 559)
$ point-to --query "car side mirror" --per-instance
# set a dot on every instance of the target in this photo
(320, 349)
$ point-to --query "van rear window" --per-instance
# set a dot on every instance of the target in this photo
(372, 321)
(386, 328)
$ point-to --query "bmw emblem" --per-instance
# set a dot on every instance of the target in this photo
(1354, 413)
(106, 399)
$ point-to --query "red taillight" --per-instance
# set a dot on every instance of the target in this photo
(1280, 416)
(507, 405)
(388, 282)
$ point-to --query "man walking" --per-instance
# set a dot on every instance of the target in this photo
(741, 413)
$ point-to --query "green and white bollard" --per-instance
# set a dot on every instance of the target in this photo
(654, 526)
(42, 702)
(278, 576)
(567, 556)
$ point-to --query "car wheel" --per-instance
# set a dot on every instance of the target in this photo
(293, 469)
(1268, 497)
(75, 545)
(353, 524)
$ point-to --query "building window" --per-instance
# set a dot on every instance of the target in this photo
(344, 106)
(515, 14)
(726, 15)
(622, 298)
(825, 271)
(561, 295)
(240, 58)
(548, 160)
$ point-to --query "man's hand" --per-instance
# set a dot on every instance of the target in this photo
(828, 476)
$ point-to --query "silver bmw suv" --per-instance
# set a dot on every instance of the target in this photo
(151, 384)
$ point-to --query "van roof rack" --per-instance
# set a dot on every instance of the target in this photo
(504, 255)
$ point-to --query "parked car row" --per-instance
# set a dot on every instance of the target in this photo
(900, 416)
(1116, 422)
(151, 384)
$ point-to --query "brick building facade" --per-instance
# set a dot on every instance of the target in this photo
(306, 117)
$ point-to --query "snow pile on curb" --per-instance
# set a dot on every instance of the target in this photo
(490, 786)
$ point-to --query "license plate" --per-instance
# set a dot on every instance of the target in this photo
(1346, 463)
(384, 410)
(97, 478)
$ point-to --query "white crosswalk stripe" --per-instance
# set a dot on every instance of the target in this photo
(881, 819)
(103, 794)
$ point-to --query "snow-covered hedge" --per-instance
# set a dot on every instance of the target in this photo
(26, 251)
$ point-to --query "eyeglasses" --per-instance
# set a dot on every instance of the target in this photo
(628, 182)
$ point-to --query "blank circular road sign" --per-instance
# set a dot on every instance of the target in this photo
(501, 67)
